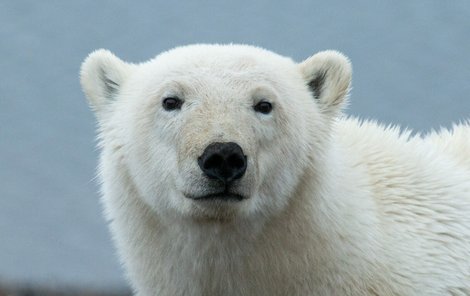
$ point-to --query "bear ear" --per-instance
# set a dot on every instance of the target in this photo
(328, 76)
(102, 75)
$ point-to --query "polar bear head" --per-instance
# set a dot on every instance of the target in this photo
(214, 131)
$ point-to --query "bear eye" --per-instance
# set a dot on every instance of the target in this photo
(172, 103)
(263, 107)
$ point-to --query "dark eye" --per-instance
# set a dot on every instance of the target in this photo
(172, 103)
(263, 107)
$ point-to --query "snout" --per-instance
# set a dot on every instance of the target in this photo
(223, 161)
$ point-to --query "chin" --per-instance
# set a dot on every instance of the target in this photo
(214, 211)
(222, 207)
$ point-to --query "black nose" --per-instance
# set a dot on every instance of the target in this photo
(223, 161)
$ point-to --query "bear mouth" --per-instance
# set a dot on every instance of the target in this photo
(220, 196)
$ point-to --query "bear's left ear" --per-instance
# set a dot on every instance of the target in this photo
(328, 76)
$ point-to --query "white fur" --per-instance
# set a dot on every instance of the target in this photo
(334, 206)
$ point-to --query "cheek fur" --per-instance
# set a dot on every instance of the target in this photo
(151, 153)
(284, 139)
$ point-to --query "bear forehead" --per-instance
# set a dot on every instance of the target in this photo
(200, 63)
(229, 58)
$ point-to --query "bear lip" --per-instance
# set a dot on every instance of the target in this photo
(223, 196)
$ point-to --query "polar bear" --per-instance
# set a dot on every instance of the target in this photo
(231, 170)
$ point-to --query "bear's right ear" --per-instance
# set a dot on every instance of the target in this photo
(101, 76)
(328, 76)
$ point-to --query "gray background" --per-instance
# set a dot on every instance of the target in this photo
(411, 67)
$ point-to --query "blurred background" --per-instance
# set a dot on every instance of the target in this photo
(411, 67)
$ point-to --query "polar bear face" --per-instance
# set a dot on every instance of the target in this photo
(214, 132)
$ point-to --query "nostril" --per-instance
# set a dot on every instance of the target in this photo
(236, 161)
(214, 161)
